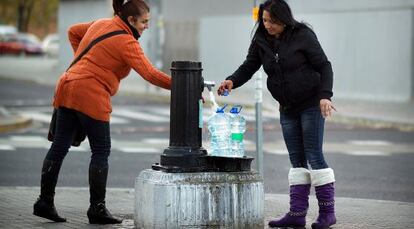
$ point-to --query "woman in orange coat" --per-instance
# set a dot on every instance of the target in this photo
(82, 98)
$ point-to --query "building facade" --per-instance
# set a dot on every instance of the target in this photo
(369, 42)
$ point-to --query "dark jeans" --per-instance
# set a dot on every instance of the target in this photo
(303, 134)
(98, 133)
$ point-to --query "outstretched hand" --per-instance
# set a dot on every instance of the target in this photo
(225, 85)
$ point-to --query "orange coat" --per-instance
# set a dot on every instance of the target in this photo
(89, 84)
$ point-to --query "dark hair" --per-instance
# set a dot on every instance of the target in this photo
(126, 8)
(280, 11)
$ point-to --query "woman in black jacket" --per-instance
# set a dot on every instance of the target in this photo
(300, 78)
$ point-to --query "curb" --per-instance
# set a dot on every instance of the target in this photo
(10, 121)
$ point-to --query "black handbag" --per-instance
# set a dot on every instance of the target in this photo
(79, 133)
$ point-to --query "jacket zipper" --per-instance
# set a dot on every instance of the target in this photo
(282, 79)
(277, 57)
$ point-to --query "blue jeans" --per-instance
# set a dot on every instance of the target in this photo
(303, 134)
(97, 131)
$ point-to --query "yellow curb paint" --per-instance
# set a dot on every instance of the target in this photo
(20, 123)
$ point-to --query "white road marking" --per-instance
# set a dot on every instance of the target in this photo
(140, 116)
(157, 145)
(277, 151)
(78, 149)
(140, 150)
(370, 143)
(18, 138)
(46, 117)
(367, 153)
(37, 116)
(7, 147)
(161, 141)
(117, 120)
(160, 111)
(151, 145)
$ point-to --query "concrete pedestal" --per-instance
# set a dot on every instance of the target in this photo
(199, 200)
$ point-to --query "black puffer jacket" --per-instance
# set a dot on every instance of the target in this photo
(299, 73)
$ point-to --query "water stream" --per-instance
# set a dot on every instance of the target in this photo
(214, 105)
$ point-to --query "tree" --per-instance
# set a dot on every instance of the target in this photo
(24, 11)
(29, 15)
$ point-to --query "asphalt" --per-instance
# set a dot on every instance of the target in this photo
(72, 203)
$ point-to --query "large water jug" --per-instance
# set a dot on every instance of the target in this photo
(219, 127)
(238, 127)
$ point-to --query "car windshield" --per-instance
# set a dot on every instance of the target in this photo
(9, 38)
(28, 38)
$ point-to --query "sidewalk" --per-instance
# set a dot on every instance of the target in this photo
(72, 203)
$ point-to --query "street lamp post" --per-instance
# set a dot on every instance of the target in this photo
(258, 105)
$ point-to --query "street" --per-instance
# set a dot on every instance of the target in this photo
(368, 163)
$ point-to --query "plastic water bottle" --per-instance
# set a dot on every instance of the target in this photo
(238, 127)
(219, 127)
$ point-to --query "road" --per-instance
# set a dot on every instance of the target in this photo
(368, 163)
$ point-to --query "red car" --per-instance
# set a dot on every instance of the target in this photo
(20, 44)
(9, 44)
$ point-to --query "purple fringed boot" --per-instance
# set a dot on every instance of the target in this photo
(299, 181)
(324, 182)
(325, 195)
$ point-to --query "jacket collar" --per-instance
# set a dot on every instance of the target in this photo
(127, 27)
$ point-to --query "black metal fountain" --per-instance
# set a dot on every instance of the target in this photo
(188, 188)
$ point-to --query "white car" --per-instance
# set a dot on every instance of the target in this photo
(51, 45)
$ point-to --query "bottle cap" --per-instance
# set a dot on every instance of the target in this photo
(225, 92)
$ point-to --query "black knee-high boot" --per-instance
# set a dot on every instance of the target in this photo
(97, 212)
(44, 206)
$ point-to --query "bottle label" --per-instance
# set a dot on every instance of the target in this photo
(237, 137)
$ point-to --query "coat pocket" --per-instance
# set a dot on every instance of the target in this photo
(275, 89)
(302, 84)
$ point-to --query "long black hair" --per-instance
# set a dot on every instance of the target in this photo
(280, 11)
(126, 8)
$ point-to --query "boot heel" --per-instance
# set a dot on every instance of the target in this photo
(46, 210)
(104, 221)
(94, 221)
(99, 214)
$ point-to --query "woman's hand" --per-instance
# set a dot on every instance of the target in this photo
(326, 107)
(225, 85)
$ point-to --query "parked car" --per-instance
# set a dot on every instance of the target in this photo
(50, 45)
(20, 44)
(9, 44)
(31, 43)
